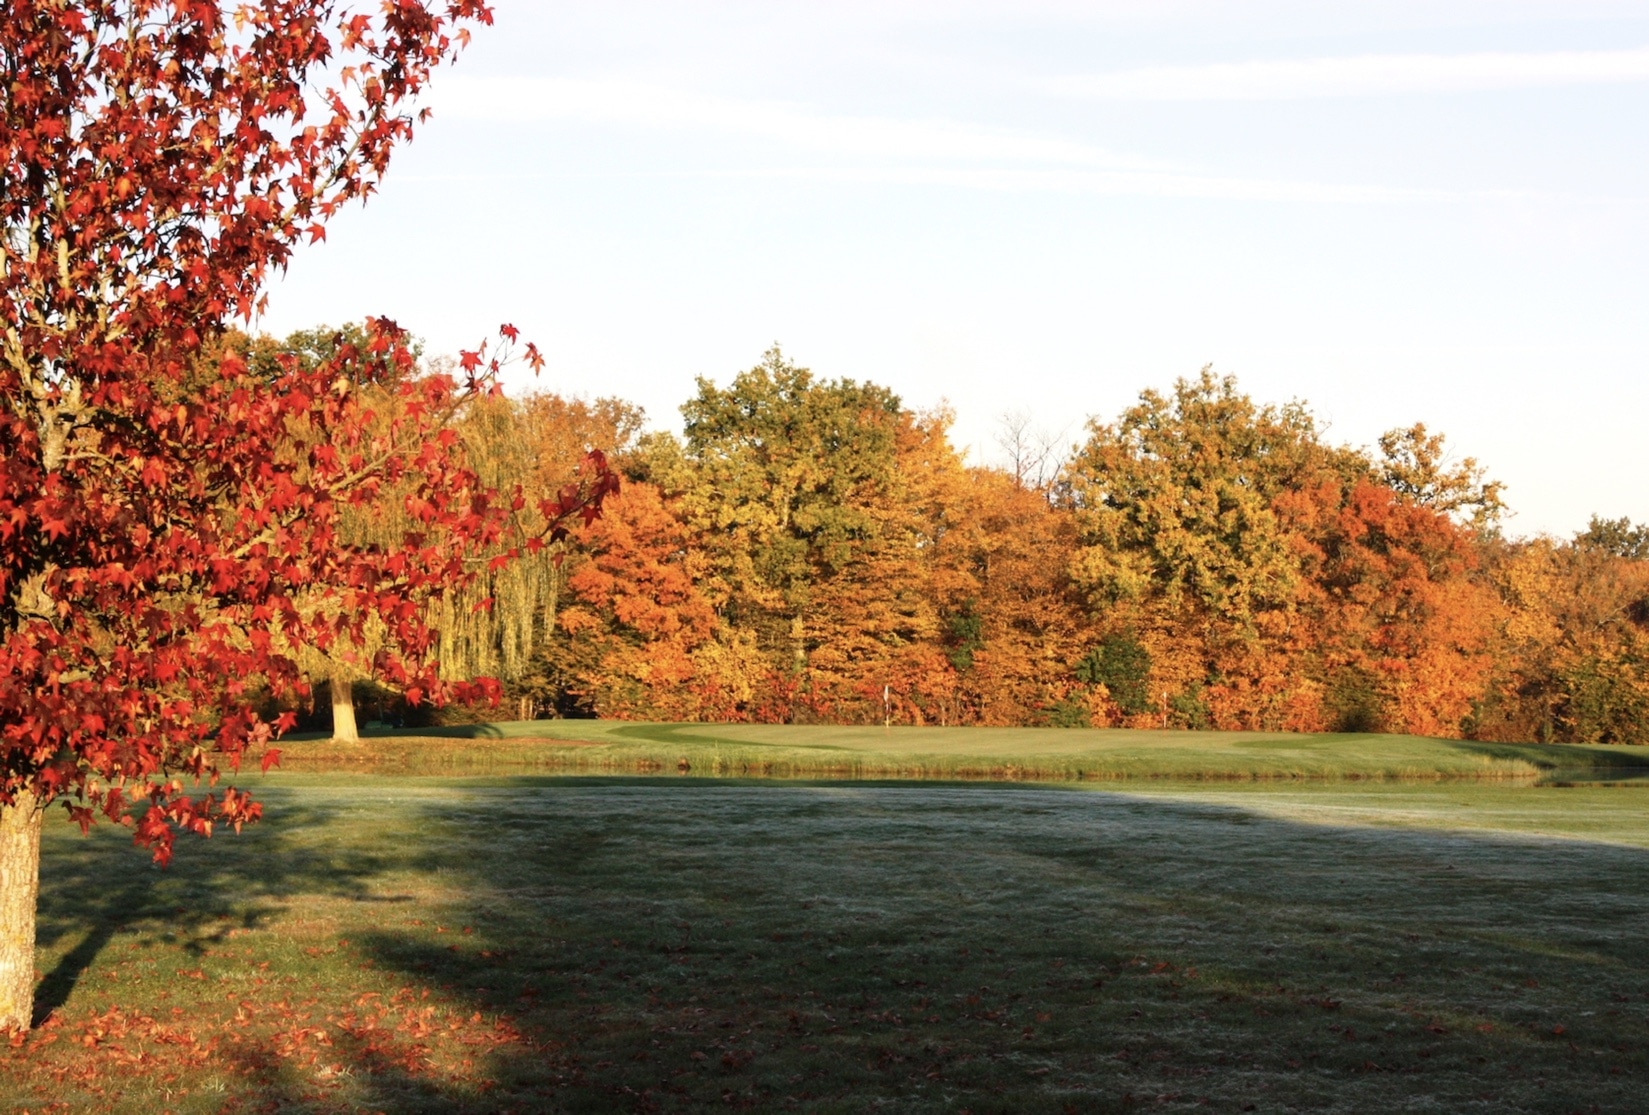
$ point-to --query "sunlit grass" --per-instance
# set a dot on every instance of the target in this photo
(994, 754)
(413, 944)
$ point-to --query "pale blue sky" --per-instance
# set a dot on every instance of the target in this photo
(1397, 211)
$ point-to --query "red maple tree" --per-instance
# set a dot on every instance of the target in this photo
(168, 518)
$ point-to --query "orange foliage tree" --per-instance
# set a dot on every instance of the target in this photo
(636, 619)
(1396, 629)
(813, 550)
(1274, 581)
(1015, 630)
(1572, 661)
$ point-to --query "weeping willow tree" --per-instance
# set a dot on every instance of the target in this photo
(379, 521)
(536, 446)
(342, 665)
(490, 626)
(534, 451)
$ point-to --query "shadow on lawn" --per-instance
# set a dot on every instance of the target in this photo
(675, 946)
(1565, 764)
(100, 892)
(933, 947)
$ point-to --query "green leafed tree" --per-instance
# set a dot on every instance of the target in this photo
(1178, 536)
(1416, 465)
(537, 447)
(1123, 666)
(780, 474)
(1618, 537)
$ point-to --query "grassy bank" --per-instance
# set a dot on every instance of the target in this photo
(995, 754)
(540, 944)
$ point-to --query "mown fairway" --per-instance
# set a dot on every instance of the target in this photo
(996, 754)
(412, 944)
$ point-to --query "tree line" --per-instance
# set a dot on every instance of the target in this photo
(811, 550)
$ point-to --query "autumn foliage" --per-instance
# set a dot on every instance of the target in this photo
(812, 551)
(173, 516)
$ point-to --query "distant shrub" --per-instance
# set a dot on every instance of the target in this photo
(1067, 713)
(1189, 710)
(1123, 667)
(1353, 702)
(965, 633)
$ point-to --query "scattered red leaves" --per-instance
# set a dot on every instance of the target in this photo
(406, 1031)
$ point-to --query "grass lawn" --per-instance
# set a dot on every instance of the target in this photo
(400, 943)
(994, 754)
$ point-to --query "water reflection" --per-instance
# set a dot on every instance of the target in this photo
(1594, 776)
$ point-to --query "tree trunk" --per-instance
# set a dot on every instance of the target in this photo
(343, 709)
(19, 891)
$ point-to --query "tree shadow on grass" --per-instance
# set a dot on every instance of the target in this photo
(99, 891)
(96, 893)
(1565, 764)
(835, 947)
(683, 945)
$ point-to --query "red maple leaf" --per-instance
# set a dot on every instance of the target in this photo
(172, 168)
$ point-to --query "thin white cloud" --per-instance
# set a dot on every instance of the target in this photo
(1111, 183)
(888, 151)
(586, 101)
(1128, 183)
(1365, 75)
